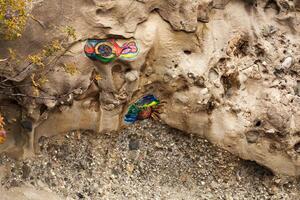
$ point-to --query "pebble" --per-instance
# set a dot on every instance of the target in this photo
(252, 136)
(169, 165)
(287, 63)
(133, 144)
(132, 75)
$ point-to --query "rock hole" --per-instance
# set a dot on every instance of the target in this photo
(127, 70)
(297, 147)
(230, 83)
(187, 52)
(98, 11)
(258, 123)
(115, 36)
(211, 105)
(43, 109)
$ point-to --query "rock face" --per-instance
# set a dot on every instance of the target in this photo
(227, 70)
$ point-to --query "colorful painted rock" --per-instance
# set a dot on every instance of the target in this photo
(2, 136)
(141, 109)
(109, 50)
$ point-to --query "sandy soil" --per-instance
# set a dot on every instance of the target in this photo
(145, 161)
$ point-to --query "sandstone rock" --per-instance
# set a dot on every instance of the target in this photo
(209, 61)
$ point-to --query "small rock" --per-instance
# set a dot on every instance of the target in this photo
(148, 71)
(273, 190)
(134, 144)
(167, 78)
(50, 103)
(252, 136)
(78, 91)
(278, 180)
(204, 91)
(264, 63)
(80, 196)
(297, 147)
(132, 76)
(214, 184)
(25, 171)
(129, 168)
(287, 63)
(86, 103)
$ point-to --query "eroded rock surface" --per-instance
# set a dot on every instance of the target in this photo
(227, 70)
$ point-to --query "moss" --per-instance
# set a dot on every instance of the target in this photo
(12, 60)
(12, 54)
(36, 59)
(97, 77)
(37, 81)
(13, 17)
(71, 32)
(49, 50)
(70, 68)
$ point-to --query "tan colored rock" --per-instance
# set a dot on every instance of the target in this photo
(213, 62)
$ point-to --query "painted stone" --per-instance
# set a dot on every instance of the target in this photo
(108, 50)
(141, 109)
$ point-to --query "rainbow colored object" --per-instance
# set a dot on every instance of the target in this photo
(108, 50)
(2, 136)
(141, 109)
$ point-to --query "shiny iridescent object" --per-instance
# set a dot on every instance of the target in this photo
(141, 109)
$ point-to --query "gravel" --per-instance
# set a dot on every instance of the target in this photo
(147, 160)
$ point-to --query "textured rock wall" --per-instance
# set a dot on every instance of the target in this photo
(227, 70)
